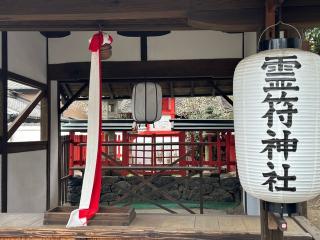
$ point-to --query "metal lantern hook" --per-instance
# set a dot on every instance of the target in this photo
(278, 23)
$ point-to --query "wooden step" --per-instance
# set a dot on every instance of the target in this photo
(107, 216)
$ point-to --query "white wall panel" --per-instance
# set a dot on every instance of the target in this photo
(27, 55)
(250, 43)
(74, 48)
(195, 45)
(176, 45)
(27, 181)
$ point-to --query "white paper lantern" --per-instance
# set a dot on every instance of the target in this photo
(277, 125)
(146, 102)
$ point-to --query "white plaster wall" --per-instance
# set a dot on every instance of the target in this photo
(27, 55)
(54, 147)
(74, 48)
(195, 45)
(176, 45)
(250, 43)
(27, 181)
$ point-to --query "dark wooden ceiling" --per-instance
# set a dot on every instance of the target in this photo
(178, 78)
(153, 15)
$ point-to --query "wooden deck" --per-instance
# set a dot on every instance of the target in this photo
(148, 226)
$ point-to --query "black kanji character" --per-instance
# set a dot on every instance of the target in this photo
(286, 178)
(284, 145)
(280, 66)
(271, 177)
(276, 84)
(289, 111)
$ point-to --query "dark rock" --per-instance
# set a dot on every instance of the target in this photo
(133, 180)
(207, 188)
(220, 195)
(194, 195)
(231, 184)
(211, 180)
(163, 180)
(108, 197)
(120, 188)
(106, 189)
(109, 180)
(175, 194)
(75, 181)
(74, 198)
(194, 184)
(145, 190)
(170, 186)
(183, 188)
(185, 194)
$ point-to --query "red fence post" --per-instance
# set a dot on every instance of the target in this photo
(71, 152)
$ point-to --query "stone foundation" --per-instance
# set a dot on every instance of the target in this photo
(181, 188)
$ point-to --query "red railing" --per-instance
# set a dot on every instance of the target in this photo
(213, 149)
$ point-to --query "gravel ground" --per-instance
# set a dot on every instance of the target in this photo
(314, 211)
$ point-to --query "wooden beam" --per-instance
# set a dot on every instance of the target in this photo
(146, 69)
(110, 91)
(64, 95)
(270, 18)
(17, 147)
(146, 15)
(74, 97)
(192, 89)
(171, 89)
(308, 226)
(23, 115)
(218, 90)
(4, 122)
(108, 232)
(27, 81)
(65, 87)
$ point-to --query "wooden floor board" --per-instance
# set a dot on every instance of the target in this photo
(231, 223)
(251, 223)
(160, 226)
(207, 223)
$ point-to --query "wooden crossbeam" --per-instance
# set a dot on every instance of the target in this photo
(66, 90)
(157, 69)
(109, 87)
(218, 90)
(153, 187)
(171, 89)
(151, 178)
(192, 89)
(74, 97)
(64, 95)
(23, 115)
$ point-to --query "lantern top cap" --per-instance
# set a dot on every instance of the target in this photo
(280, 43)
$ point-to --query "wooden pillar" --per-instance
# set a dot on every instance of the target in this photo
(4, 123)
(45, 124)
(59, 147)
(269, 229)
(302, 209)
(270, 18)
